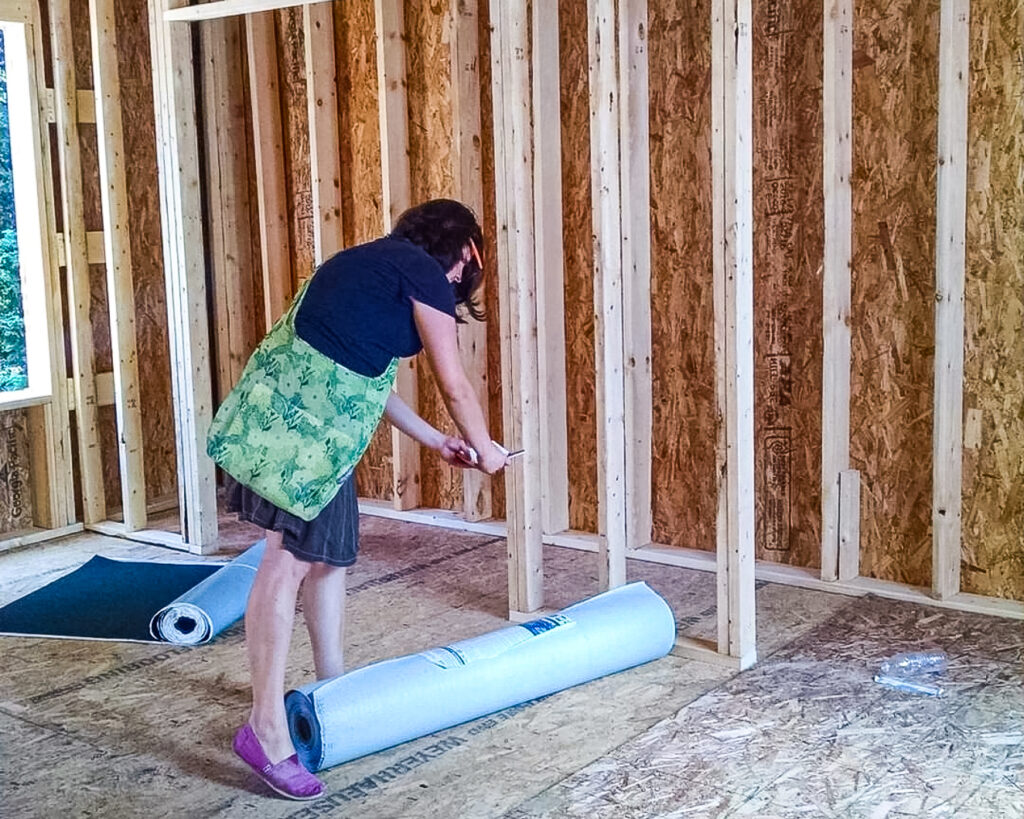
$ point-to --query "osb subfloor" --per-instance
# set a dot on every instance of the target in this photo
(133, 730)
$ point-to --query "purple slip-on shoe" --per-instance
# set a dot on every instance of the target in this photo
(288, 777)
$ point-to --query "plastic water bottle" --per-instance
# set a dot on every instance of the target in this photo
(915, 662)
(910, 685)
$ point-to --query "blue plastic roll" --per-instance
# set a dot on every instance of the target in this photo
(211, 606)
(393, 701)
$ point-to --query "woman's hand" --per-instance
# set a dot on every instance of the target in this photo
(491, 460)
(456, 452)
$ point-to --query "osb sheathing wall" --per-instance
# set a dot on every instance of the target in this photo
(788, 248)
(993, 515)
(895, 120)
(685, 414)
(15, 474)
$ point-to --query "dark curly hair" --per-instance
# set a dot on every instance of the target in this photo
(443, 228)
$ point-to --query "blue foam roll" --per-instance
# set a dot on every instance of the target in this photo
(393, 701)
(209, 607)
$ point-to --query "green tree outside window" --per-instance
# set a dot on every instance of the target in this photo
(13, 363)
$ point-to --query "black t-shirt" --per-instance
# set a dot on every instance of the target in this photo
(358, 307)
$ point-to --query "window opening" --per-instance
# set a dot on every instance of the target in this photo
(25, 376)
(13, 357)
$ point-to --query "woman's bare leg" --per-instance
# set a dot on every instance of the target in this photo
(323, 604)
(269, 619)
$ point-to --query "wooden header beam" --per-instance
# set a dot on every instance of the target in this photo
(225, 8)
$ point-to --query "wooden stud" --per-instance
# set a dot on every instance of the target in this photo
(188, 321)
(950, 262)
(547, 231)
(225, 148)
(85, 106)
(104, 394)
(77, 251)
(95, 248)
(224, 8)
(635, 173)
(324, 142)
(608, 298)
(838, 256)
(268, 146)
(393, 109)
(732, 182)
(52, 479)
(469, 188)
(397, 196)
(513, 162)
(120, 290)
(849, 524)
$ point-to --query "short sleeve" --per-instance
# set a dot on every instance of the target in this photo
(424, 281)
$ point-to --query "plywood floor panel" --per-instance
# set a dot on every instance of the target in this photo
(144, 730)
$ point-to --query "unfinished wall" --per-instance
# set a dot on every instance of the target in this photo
(685, 413)
(895, 102)
(894, 139)
(788, 246)
(993, 514)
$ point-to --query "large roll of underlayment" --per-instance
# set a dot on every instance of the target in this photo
(212, 605)
(393, 701)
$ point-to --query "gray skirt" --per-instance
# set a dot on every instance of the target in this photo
(331, 537)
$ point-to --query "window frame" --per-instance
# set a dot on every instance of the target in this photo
(33, 228)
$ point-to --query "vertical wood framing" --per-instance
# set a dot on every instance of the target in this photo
(324, 143)
(120, 290)
(950, 260)
(465, 54)
(635, 170)
(268, 147)
(849, 525)
(608, 286)
(52, 480)
(513, 162)
(226, 168)
(76, 256)
(838, 256)
(547, 182)
(732, 181)
(397, 195)
(188, 323)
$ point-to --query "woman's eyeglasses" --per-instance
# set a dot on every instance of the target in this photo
(476, 255)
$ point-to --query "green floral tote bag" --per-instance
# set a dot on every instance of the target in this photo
(297, 422)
